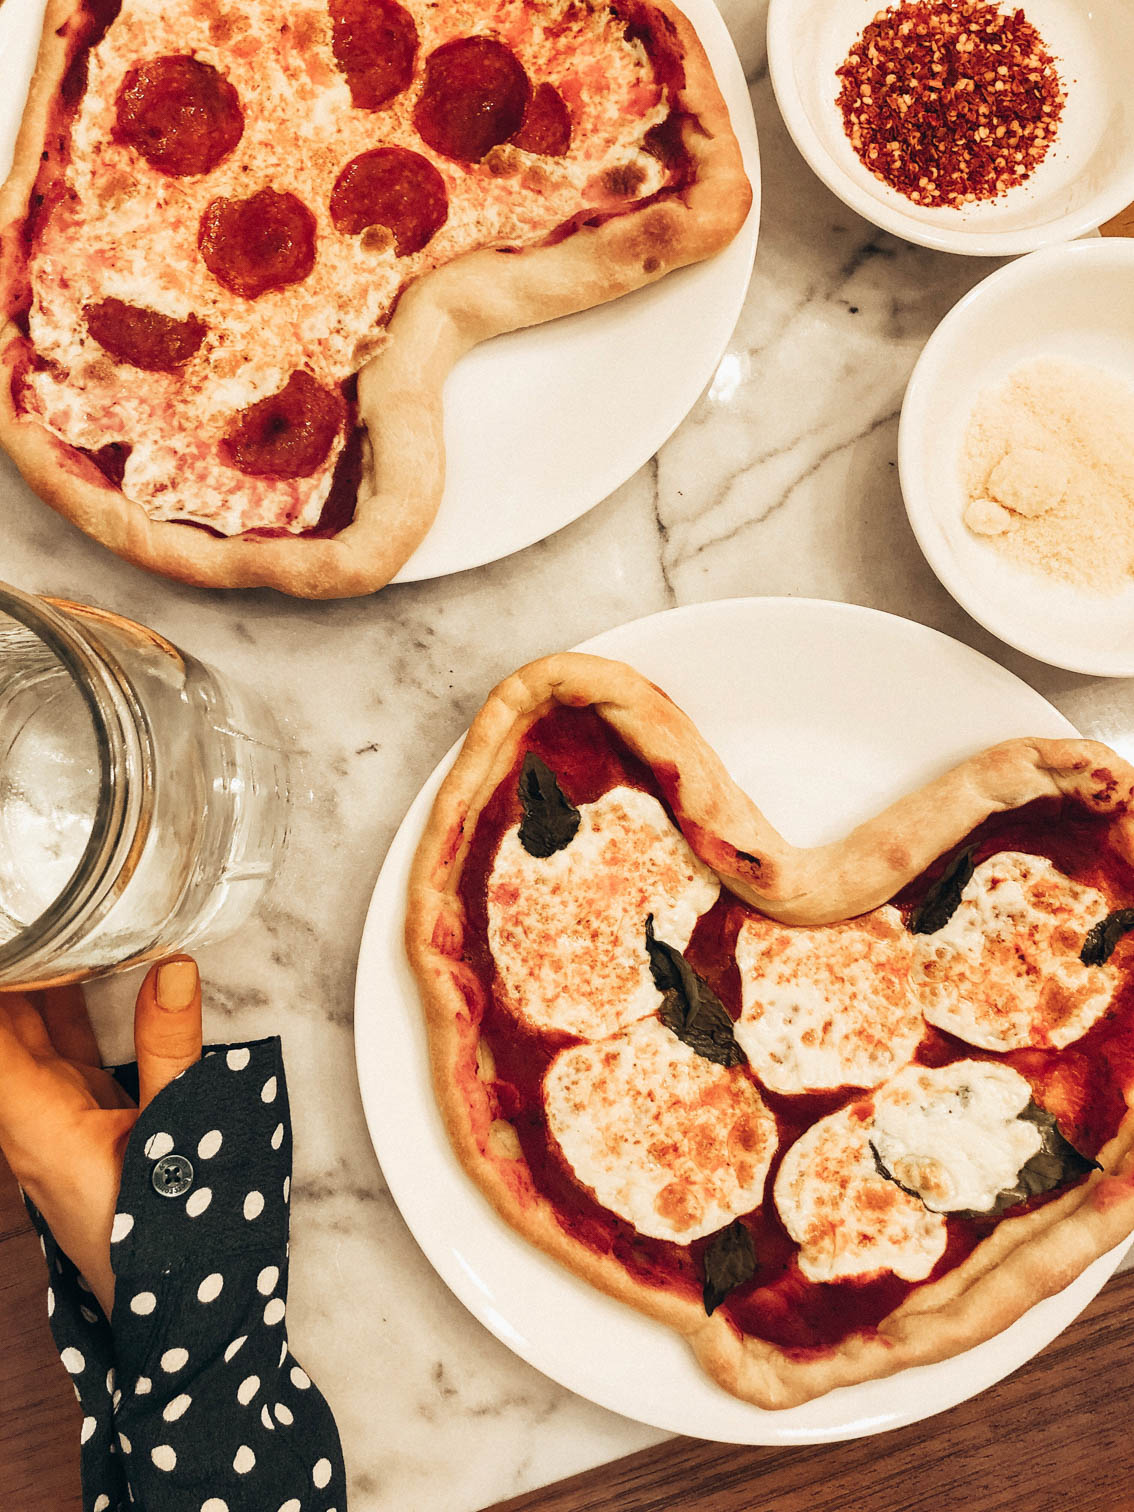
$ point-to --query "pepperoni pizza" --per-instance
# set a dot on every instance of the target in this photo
(827, 1113)
(242, 247)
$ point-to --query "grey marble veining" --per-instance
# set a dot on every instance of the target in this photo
(783, 480)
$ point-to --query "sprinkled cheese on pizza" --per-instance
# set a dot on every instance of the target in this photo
(260, 184)
(828, 1007)
(953, 1134)
(568, 931)
(671, 1142)
(1004, 972)
(847, 1219)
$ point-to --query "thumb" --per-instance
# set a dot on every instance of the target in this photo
(167, 1025)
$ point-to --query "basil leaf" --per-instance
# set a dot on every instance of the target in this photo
(690, 1008)
(549, 821)
(1055, 1164)
(944, 896)
(1099, 945)
(729, 1261)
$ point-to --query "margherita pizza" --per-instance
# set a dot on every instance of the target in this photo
(828, 1113)
(243, 246)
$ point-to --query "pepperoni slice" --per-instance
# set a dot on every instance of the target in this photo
(182, 115)
(395, 188)
(252, 245)
(289, 434)
(473, 98)
(375, 44)
(547, 124)
(144, 338)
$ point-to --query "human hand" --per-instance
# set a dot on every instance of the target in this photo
(65, 1122)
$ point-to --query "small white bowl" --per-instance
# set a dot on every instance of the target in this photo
(1073, 303)
(1086, 178)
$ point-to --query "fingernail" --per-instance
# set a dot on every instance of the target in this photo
(175, 986)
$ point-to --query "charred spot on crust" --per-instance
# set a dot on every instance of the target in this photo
(624, 181)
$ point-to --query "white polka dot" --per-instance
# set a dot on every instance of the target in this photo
(198, 1201)
(177, 1408)
(236, 1060)
(253, 1205)
(286, 1188)
(111, 1381)
(266, 1419)
(143, 1303)
(89, 1426)
(266, 1280)
(102, 1504)
(164, 1457)
(143, 1386)
(214, 1504)
(274, 1311)
(73, 1361)
(283, 1353)
(50, 1302)
(158, 1145)
(294, 1505)
(247, 1389)
(210, 1288)
(88, 1315)
(174, 1359)
(210, 1144)
(115, 1399)
(269, 1090)
(82, 1284)
(127, 1447)
(234, 1346)
(321, 1474)
(277, 1136)
(300, 1378)
(283, 1414)
(123, 1223)
(245, 1460)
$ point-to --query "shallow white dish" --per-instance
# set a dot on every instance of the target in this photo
(543, 424)
(821, 711)
(1087, 177)
(1074, 303)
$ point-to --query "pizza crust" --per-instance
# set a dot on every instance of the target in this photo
(439, 318)
(1025, 1259)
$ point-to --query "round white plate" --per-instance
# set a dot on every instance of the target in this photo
(1068, 304)
(824, 713)
(543, 424)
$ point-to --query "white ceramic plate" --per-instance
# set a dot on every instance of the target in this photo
(543, 424)
(1087, 177)
(824, 712)
(1073, 303)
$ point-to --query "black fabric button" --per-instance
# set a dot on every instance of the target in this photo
(173, 1176)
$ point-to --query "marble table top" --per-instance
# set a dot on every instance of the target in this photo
(783, 480)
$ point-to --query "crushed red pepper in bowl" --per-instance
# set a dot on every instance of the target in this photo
(950, 101)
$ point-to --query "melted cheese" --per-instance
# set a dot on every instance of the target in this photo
(568, 931)
(130, 232)
(827, 1007)
(1005, 972)
(953, 1134)
(847, 1219)
(672, 1143)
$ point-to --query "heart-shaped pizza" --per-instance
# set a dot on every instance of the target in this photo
(828, 1113)
(243, 246)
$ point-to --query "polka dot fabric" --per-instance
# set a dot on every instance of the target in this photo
(191, 1398)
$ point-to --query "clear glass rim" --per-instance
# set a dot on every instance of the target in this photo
(115, 739)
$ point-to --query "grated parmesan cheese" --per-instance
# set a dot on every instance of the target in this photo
(1048, 473)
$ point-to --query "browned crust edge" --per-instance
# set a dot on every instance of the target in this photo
(1026, 1258)
(440, 317)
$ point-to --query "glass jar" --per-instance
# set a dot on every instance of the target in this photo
(143, 798)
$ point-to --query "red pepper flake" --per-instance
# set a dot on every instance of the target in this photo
(950, 101)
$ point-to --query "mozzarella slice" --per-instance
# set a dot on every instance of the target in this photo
(953, 1134)
(828, 1007)
(847, 1219)
(568, 931)
(671, 1142)
(1005, 972)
